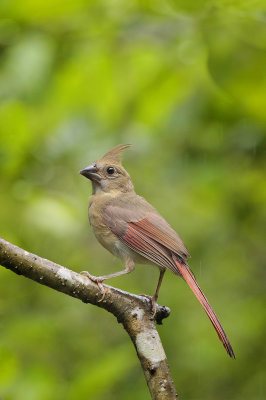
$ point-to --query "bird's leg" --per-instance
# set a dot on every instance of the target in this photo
(99, 279)
(154, 298)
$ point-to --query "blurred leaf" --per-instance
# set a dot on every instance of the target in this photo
(97, 379)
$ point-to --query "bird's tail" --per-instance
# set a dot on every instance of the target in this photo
(192, 283)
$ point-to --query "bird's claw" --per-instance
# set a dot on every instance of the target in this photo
(98, 281)
(153, 303)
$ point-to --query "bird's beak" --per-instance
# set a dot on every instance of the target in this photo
(90, 172)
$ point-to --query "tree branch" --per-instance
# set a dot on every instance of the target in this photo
(134, 312)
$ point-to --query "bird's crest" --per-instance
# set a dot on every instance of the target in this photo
(114, 155)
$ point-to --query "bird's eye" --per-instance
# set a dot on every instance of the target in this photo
(110, 170)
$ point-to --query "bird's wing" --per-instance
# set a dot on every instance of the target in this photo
(156, 228)
(145, 231)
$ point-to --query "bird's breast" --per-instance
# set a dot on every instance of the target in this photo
(102, 232)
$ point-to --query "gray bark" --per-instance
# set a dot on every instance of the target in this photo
(134, 312)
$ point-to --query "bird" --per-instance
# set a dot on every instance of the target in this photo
(132, 229)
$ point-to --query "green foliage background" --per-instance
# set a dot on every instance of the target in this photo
(185, 82)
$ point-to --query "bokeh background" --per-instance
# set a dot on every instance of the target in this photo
(185, 83)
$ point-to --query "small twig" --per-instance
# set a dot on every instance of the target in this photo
(134, 312)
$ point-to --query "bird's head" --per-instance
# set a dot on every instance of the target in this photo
(107, 174)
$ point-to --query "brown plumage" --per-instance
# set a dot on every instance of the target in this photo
(131, 229)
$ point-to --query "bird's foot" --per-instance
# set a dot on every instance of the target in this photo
(98, 280)
(153, 303)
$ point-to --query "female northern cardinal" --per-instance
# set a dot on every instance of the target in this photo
(131, 229)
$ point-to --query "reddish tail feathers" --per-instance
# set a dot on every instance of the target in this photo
(189, 278)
